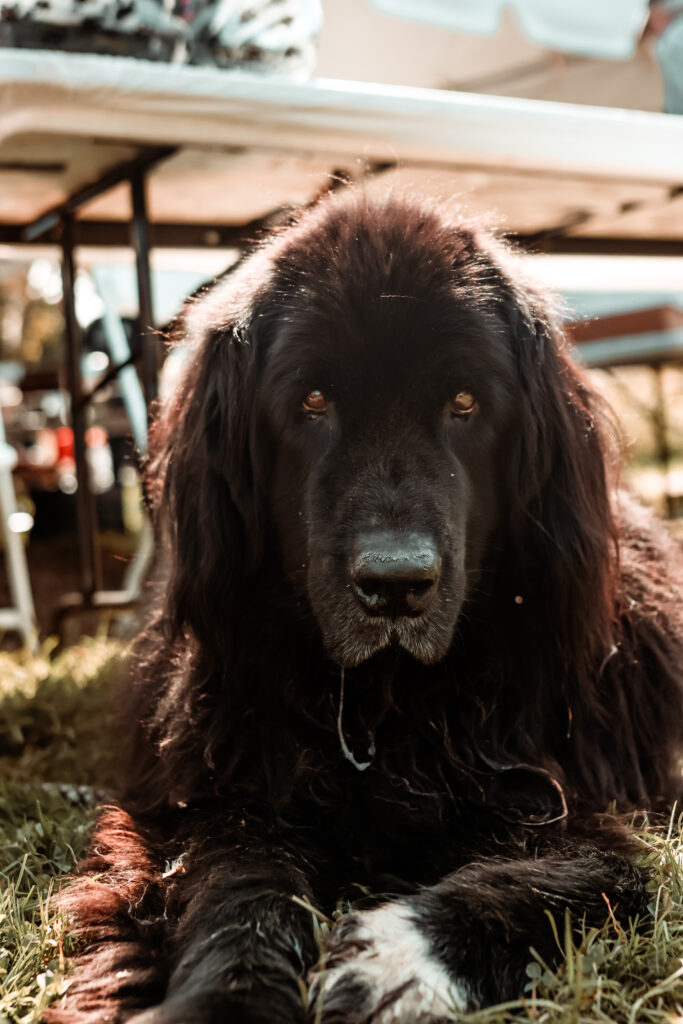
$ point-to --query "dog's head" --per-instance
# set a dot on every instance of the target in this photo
(378, 410)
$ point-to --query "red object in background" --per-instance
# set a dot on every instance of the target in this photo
(65, 443)
(95, 437)
(66, 463)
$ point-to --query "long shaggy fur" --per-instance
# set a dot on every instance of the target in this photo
(542, 688)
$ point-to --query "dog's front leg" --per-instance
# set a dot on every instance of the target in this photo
(242, 942)
(465, 942)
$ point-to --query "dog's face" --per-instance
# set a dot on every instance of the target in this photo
(387, 391)
(379, 405)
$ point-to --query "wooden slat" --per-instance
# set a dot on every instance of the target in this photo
(659, 318)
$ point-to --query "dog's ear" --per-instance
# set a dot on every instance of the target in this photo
(559, 486)
(203, 480)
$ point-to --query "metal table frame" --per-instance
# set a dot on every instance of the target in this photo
(60, 223)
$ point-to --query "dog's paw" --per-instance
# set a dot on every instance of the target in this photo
(379, 969)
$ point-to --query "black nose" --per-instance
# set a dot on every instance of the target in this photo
(395, 574)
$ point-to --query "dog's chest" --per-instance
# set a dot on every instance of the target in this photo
(384, 829)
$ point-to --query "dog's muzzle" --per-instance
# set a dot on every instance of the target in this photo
(394, 575)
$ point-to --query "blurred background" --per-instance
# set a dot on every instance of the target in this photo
(145, 147)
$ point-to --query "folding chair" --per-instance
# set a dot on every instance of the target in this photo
(20, 616)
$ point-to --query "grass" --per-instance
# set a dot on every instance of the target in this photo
(52, 718)
(52, 712)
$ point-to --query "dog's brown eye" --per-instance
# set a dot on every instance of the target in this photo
(315, 404)
(463, 404)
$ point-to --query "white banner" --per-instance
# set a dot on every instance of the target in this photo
(592, 28)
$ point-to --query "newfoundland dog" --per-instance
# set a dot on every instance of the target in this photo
(414, 646)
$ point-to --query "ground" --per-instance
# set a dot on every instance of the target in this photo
(53, 716)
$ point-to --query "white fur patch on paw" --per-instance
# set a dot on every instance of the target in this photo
(379, 970)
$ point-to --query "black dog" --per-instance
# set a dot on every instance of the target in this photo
(410, 641)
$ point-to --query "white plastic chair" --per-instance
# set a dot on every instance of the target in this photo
(21, 615)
